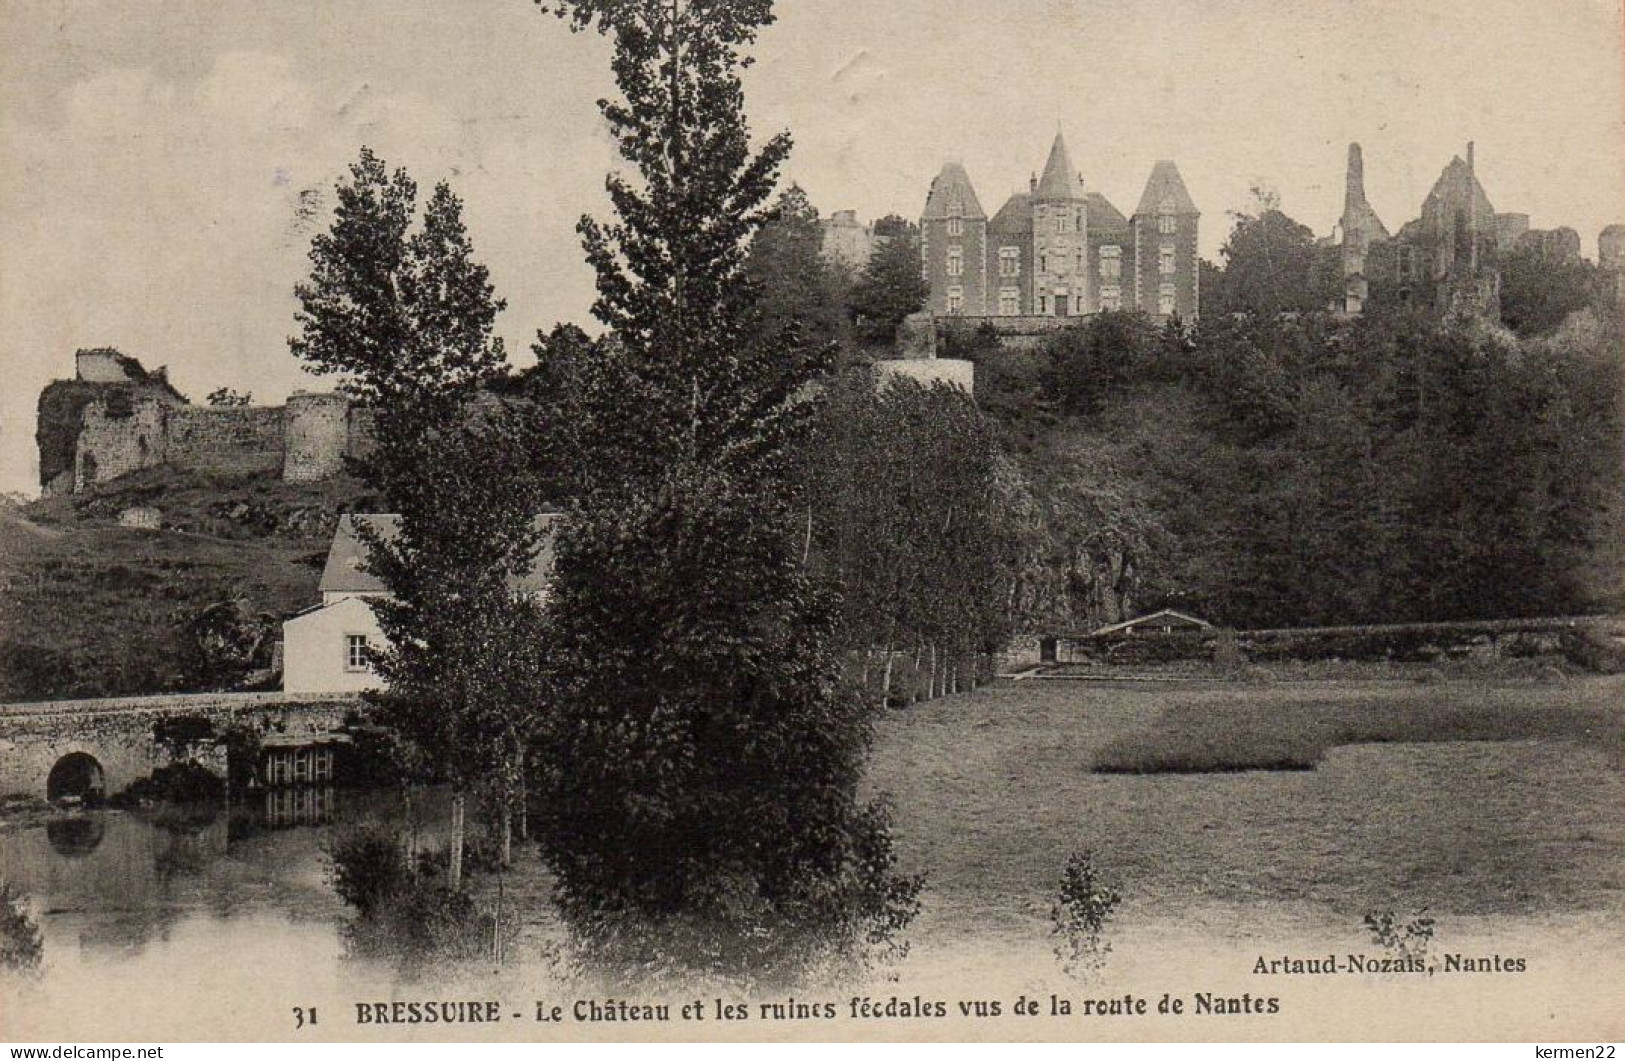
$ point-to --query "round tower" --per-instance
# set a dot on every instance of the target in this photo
(317, 433)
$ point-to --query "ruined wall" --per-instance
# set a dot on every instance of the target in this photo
(118, 434)
(233, 440)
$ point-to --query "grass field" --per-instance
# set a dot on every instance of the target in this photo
(1467, 799)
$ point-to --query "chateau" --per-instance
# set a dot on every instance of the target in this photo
(1059, 250)
(116, 417)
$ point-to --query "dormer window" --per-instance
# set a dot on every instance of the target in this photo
(956, 226)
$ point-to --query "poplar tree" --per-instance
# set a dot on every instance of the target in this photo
(701, 771)
(407, 319)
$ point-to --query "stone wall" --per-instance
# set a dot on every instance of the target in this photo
(117, 429)
(118, 435)
(235, 440)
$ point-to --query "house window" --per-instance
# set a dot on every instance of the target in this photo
(1165, 300)
(1165, 260)
(1111, 298)
(956, 300)
(355, 652)
(956, 226)
(1009, 301)
(956, 261)
(1111, 262)
(1009, 261)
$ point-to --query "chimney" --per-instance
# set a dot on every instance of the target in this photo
(1032, 184)
(1469, 158)
(1354, 187)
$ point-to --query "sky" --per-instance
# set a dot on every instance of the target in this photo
(165, 163)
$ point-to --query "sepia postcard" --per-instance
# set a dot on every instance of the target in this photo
(662, 520)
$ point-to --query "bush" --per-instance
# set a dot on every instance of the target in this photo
(1593, 650)
(1407, 939)
(1080, 914)
(21, 947)
(368, 866)
(177, 783)
(405, 912)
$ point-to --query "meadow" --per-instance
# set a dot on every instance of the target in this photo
(1231, 810)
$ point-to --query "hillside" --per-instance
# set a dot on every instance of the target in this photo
(92, 608)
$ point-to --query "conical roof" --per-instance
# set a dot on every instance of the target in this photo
(1166, 186)
(952, 195)
(1060, 180)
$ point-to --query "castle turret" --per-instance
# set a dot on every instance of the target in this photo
(953, 244)
(1165, 227)
(1060, 226)
(318, 436)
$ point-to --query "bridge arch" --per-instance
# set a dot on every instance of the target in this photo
(76, 775)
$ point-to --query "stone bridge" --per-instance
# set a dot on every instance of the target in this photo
(80, 748)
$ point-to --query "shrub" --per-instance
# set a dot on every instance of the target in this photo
(1080, 914)
(1593, 650)
(21, 946)
(1407, 939)
(368, 865)
(176, 783)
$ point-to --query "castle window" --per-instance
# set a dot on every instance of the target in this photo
(1111, 262)
(1043, 263)
(1060, 222)
(1111, 298)
(1165, 300)
(1168, 224)
(1165, 260)
(355, 652)
(956, 226)
(1043, 305)
(956, 261)
(1009, 301)
(956, 300)
(1009, 261)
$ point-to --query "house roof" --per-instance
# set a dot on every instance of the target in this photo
(1015, 216)
(1060, 180)
(1103, 215)
(346, 557)
(1165, 614)
(951, 195)
(1165, 186)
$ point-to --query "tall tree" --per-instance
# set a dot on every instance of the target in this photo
(800, 294)
(407, 319)
(892, 284)
(1271, 266)
(702, 770)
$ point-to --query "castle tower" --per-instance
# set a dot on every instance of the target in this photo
(1060, 247)
(1165, 224)
(1361, 228)
(318, 435)
(953, 245)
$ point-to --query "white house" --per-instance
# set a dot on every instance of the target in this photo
(324, 647)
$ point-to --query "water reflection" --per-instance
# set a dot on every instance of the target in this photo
(74, 837)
